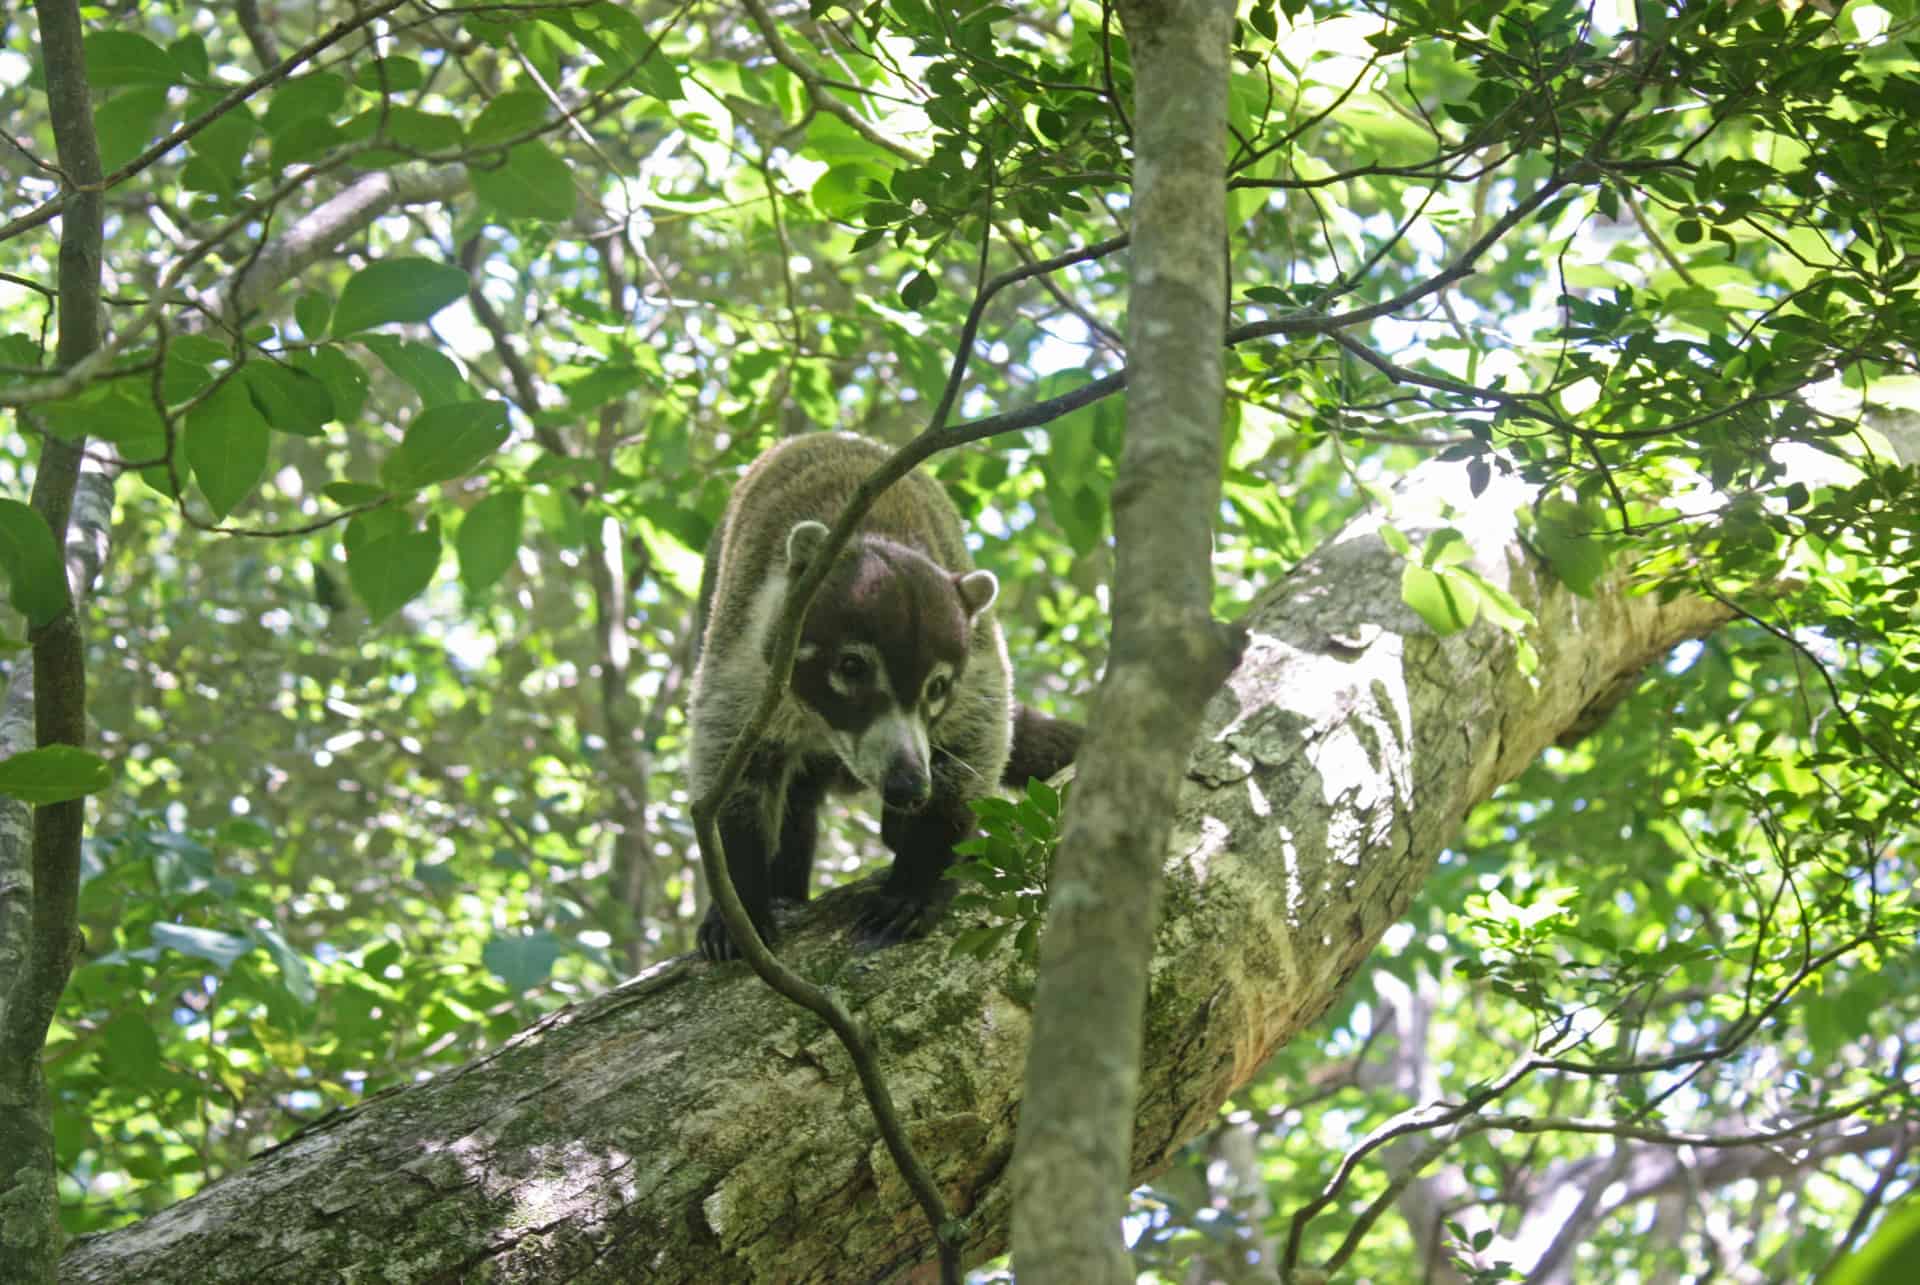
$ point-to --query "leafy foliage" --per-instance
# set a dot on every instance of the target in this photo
(1010, 861)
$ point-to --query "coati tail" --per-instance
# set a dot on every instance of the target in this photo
(1042, 745)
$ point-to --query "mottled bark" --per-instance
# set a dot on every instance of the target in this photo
(692, 1126)
(1071, 1170)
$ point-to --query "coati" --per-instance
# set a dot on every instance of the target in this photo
(900, 683)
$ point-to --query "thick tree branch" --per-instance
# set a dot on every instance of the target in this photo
(345, 214)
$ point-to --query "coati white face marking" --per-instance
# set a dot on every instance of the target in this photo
(884, 644)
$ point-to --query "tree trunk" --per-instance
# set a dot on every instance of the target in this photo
(692, 1126)
(40, 958)
(1070, 1169)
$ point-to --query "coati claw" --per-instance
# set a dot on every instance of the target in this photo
(890, 919)
(716, 943)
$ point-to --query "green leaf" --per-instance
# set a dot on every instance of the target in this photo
(305, 140)
(423, 131)
(919, 291)
(292, 400)
(1081, 512)
(130, 1042)
(1503, 609)
(217, 948)
(389, 75)
(220, 149)
(840, 192)
(54, 774)
(295, 978)
(426, 370)
(304, 98)
(1447, 603)
(123, 58)
(345, 378)
(1564, 534)
(508, 116)
(189, 53)
(189, 368)
(1445, 547)
(601, 384)
(243, 832)
(348, 494)
(313, 311)
(126, 123)
(119, 411)
(226, 445)
(489, 539)
(36, 581)
(403, 289)
(534, 183)
(522, 961)
(389, 571)
(1045, 798)
(375, 524)
(444, 442)
(561, 517)
(1891, 1255)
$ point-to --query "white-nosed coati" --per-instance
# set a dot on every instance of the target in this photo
(900, 682)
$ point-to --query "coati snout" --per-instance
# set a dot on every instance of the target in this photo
(900, 681)
(883, 648)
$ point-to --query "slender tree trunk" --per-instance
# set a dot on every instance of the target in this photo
(1072, 1165)
(29, 1196)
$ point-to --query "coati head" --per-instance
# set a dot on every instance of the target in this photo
(882, 653)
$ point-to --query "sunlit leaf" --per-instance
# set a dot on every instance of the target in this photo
(533, 183)
(36, 580)
(399, 289)
(389, 571)
(226, 444)
(127, 58)
(217, 948)
(489, 538)
(53, 774)
(444, 442)
(521, 960)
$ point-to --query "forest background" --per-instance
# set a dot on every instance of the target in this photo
(426, 342)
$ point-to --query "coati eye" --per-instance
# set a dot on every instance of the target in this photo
(937, 689)
(852, 666)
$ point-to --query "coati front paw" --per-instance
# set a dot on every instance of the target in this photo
(890, 918)
(716, 943)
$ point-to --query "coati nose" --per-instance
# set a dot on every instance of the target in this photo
(906, 786)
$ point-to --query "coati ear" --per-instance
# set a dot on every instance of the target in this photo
(802, 543)
(977, 589)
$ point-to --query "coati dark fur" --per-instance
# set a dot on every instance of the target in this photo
(1042, 745)
(900, 683)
